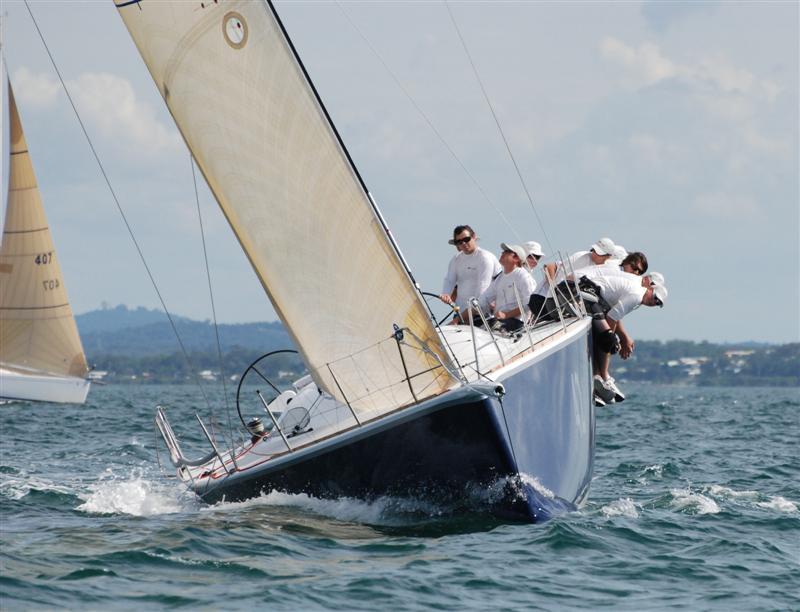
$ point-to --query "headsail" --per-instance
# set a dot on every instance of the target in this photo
(37, 329)
(273, 160)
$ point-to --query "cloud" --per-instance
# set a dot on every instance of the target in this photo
(723, 91)
(106, 102)
(111, 104)
(645, 62)
(647, 65)
(35, 90)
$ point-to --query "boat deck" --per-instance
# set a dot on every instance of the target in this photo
(311, 417)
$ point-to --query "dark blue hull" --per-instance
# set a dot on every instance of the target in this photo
(525, 456)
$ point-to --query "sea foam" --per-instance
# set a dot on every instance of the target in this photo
(778, 503)
(378, 511)
(686, 499)
(621, 507)
(136, 495)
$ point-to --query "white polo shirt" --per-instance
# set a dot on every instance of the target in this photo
(579, 260)
(622, 290)
(472, 274)
(502, 292)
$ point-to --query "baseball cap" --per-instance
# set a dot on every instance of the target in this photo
(620, 252)
(533, 248)
(514, 248)
(604, 246)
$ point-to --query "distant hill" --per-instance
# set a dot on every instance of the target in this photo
(138, 345)
(141, 332)
(112, 319)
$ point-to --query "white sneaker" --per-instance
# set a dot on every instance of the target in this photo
(612, 385)
(602, 390)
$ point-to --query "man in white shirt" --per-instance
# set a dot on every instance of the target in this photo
(507, 291)
(620, 293)
(599, 253)
(533, 253)
(470, 272)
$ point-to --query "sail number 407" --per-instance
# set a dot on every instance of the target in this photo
(51, 284)
(44, 258)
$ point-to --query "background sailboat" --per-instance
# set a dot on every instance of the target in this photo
(41, 356)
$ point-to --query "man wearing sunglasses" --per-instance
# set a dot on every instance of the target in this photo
(534, 253)
(470, 272)
(634, 263)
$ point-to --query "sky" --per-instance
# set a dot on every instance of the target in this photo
(671, 127)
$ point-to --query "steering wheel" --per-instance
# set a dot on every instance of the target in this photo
(255, 375)
(453, 308)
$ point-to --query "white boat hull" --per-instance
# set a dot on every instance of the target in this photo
(34, 387)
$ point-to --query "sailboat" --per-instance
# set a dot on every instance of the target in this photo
(393, 403)
(41, 356)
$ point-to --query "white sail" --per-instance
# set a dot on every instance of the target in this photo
(37, 329)
(275, 164)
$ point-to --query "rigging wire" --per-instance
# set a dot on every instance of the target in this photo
(427, 120)
(213, 306)
(119, 207)
(499, 127)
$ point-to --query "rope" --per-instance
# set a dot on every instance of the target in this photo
(428, 121)
(499, 127)
(213, 307)
(119, 207)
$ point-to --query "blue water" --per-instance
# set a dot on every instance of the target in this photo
(695, 505)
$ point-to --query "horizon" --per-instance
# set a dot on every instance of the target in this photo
(108, 307)
(672, 128)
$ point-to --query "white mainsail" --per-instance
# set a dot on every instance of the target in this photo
(37, 330)
(274, 162)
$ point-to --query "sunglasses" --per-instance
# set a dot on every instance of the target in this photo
(536, 257)
(462, 240)
(657, 302)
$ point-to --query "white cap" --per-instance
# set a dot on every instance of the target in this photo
(660, 291)
(620, 252)
(533, 248)
(604, 246)
(514, 248)
(656, 278)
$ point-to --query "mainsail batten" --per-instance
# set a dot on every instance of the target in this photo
(37, 328)
(270, 155)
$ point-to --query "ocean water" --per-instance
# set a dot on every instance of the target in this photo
(695, 504)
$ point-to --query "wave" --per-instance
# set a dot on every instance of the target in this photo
(621, 507)
(690, 501)
(137, 495)
(16, 485)
(779, 503)
(753, 499)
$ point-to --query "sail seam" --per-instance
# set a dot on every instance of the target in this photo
(38, 229)
(33, 307)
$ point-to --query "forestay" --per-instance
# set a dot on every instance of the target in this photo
(37, 329)
(267, 149)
